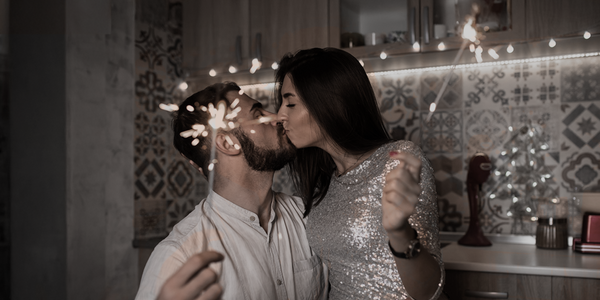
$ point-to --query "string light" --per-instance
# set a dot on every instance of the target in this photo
(212, 73)
(441, 46)
(183, 86)
(232, 69)
(587, 35)
(383, 55)
(552, 43)
(275, 66)
(416, 46)
(510, 48)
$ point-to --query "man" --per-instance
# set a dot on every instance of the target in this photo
(260, 234)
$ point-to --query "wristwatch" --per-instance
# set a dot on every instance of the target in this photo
(414, 248)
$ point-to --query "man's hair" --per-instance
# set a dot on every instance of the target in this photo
(184, 119)
(338, 95)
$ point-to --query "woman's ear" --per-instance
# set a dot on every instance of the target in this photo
(227, 144)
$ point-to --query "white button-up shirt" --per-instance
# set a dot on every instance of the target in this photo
(277, 264)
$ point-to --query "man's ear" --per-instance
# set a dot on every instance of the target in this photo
(227, 144)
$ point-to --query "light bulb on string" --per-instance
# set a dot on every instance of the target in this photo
(441, 46)
(232, 69)
(510, 48)
(416, 46)
(552, 43)
(183, 86)
(275, 66)
(212, 73)
(383, 55)
(587, 35)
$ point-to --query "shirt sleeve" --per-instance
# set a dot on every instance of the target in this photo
(425, 220)
(163, 262)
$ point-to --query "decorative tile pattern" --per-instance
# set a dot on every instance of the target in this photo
(397, 99)
(150, 218)
(579, 80)
(480, 104)
(485, 130)
(180, 179)
(432, 82)
(581, 124)
(443, 132)
(581, 171)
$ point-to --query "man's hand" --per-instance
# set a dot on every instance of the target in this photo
(400, 197)
(194, 280)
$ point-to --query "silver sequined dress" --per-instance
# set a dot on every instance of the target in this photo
(345, 229)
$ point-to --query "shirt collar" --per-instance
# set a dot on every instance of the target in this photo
(223, 206)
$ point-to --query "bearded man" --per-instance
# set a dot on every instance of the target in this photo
(259, 234)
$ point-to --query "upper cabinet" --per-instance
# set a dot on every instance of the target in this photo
(231, 33)
(412, 26)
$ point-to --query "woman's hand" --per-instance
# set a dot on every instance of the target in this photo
(194, 280)
(400, 197)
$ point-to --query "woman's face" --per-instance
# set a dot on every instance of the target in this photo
(299, 126)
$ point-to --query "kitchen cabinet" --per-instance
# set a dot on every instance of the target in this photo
(428, 22)
(484, 285)
(219, 34)
(552, 18)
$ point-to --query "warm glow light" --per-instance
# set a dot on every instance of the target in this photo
(275, 66)
(493, 53)
(510, 48)
(383, 55)
(416, 46)
(189, 108)
(183, 86)
(587, 35)
(232, 69)
(432, 107)
(441, 46)
(469, 32)
(212, 73)
(552, 43)
(256, 64)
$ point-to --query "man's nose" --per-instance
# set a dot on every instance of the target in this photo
(273, 118)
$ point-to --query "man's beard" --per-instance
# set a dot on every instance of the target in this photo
(261, 159)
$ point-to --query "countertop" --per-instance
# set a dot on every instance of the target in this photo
(521, 259)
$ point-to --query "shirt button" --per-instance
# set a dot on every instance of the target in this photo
(279, 282)
(252, 218)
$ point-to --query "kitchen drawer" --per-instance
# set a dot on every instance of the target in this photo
(483, 285)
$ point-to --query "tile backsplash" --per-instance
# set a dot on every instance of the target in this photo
(474, 114)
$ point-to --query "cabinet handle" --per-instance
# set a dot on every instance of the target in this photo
(238, 50)
(411, 25)
(426, 24)
(258, 46)
(487, 295)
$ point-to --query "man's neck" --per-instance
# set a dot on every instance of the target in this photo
(250, 190)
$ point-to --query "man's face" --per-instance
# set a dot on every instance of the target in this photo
(265, 147)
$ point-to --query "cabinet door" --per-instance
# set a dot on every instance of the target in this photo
(479, 285)
(210, 33)
(575, 288)
(287, 26)
(552, 18)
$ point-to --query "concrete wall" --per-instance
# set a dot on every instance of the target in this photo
(71, 129)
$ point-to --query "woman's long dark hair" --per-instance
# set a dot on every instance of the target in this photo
(338, 95)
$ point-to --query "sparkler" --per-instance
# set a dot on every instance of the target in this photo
(221, 118)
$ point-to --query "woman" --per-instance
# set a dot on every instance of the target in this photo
(361, 189)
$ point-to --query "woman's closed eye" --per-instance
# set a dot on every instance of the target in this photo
(290, 105)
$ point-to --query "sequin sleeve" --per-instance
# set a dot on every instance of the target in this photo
(425, 220)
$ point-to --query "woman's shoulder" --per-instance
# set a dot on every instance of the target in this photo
(404, 146)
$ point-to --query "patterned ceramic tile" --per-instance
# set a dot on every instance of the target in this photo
(150, 220)
(545, 116)
(485, 130)
(177, 209)
(449, 178)
(443, 132)
(180, 178)
(581, 125)
(397, 98)
(579, 80)
(581, 171)
(487, 87)
(432, 82)
(150, 179)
